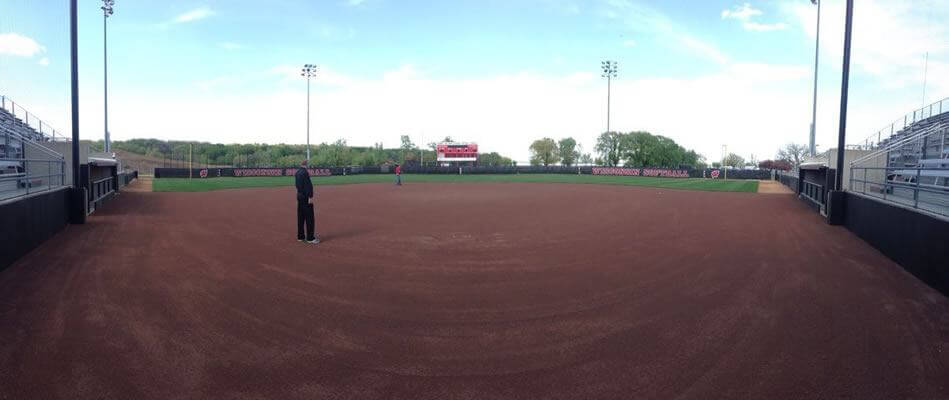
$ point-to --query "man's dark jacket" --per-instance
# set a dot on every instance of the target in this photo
(304, 185)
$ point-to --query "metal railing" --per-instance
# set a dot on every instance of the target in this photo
(919, 188)
(814, 192)
(32, 168)
(788, 180)
(873, 141)
(99, 190)
(30, 120)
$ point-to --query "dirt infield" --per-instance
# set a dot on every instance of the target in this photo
(457, 291)
(773, 187)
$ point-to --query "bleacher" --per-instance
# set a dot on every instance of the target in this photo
(910, 167)
(924, 140)
(26, 162)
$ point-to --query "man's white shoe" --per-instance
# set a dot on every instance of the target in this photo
(314, 241)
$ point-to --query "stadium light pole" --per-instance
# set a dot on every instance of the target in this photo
(609, 72)
(107, 9)
(813, 146)
(78, 216)
(844, 88)
(309, 71)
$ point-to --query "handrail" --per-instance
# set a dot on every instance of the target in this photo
(936, 108)
(10, 106)
(44, 149)
(101, 180)
(888, 184)
(901, 142)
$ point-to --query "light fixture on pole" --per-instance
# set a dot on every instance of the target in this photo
(309, 71)
(609, 72)
(107, 9)
(812, 148)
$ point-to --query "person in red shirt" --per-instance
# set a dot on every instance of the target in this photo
(398, 175)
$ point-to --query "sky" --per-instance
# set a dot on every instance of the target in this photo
(501, 73)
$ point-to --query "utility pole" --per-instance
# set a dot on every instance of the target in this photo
(844, 89)
(106, 12)
(609, 72)
(309, 71)
(78, 198)
(812, 146)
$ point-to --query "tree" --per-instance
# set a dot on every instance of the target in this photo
(793, 153)
(782, 165)
(734, 160)
(493, 159)
(407, 146)
(700, 164)
(586, 159)
(544, 152)
(568, 151)
(716, 164)
(609, 148)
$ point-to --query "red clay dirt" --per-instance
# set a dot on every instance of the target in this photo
(458, 291)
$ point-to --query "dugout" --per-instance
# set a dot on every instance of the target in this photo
(815, 181)
(100, 179)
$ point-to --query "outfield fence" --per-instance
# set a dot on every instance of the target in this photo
(478, 170)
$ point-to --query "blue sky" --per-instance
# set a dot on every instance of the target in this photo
(501, 73)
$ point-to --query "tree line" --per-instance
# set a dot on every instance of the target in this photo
(337, 153)
(566, 151)
(643, 149)
(635, 149)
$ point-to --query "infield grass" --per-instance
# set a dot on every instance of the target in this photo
(204, 185)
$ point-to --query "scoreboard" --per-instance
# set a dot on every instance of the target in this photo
(457, 152)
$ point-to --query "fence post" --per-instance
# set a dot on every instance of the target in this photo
(864, 181)
(886, 181)
(916, 192)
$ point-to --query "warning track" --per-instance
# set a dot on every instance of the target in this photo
(467, 291)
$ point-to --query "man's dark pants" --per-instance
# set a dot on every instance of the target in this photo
(305, 215)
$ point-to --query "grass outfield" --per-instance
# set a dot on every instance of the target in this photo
(204, 185)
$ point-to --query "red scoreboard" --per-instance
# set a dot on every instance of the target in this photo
(457, 152)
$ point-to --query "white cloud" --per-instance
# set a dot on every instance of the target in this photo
(641, 18)
(746, 13)
(503, 113)
(702, 47)
(324, 76)
(194, 15)
(17, 45)
(44, 61)
(743, 12)
(629, 43)
(355, 3)
(890, 42)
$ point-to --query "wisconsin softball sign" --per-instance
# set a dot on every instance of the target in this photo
(661, 172)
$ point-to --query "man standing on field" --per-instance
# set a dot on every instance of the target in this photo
(398, 175)
(305, 205)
